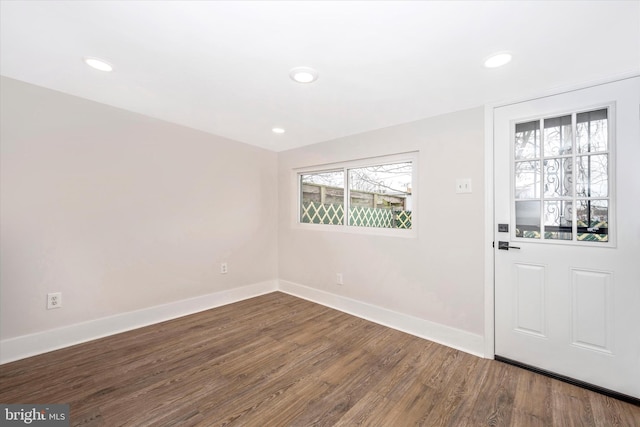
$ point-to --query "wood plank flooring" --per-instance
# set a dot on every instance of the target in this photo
(277, 360)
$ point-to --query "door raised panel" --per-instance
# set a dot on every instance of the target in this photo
(529, 294)
(591, 306)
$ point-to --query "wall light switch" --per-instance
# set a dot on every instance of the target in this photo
(463, 185)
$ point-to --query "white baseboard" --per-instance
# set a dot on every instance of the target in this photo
(41, 342)
(445, 335)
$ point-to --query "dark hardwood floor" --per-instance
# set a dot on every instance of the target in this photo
(277, 360)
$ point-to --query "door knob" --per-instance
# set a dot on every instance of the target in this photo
(505, 246)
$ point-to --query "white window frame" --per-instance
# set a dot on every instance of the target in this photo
(612, 172)
(352, 164)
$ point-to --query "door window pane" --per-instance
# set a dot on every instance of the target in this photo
(593, 220)
(527, 143)
(558, 177)
(592, 176)
(592, 133)
(557, 136)
(528, 219)
(557, 220)
(527, 180)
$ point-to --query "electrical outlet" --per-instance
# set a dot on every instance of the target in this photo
(463, 185)
(223, 268)
(339, 279)
(54, 300)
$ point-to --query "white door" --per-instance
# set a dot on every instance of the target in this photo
(567, 186)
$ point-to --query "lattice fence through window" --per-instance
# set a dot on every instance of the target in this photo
(403, 219)
(318, 213)
(370, 217)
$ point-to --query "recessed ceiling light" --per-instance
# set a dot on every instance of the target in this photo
(497, 60)
(303, 75)
(277, 130)
(98, 64)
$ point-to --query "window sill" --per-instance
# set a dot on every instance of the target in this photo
(367, 231)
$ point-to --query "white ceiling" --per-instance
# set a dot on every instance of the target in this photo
(222, 67)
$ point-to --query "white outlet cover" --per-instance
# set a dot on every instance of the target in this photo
(54, 300)
(463, 185)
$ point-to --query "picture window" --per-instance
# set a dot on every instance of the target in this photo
(374, 193)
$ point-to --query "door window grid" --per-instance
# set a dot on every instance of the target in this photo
(547, 185)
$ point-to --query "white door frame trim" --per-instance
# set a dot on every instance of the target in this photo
(489, 261)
